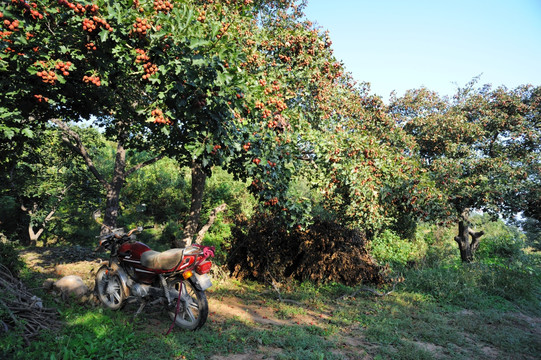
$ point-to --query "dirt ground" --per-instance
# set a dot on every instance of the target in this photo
(56, 262)
(51, 264)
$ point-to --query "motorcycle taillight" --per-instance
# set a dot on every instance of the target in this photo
(204, 267)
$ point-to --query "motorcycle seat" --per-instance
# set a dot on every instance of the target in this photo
(165, 260)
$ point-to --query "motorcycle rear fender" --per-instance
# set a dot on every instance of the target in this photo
(121, 274)
(201, 282)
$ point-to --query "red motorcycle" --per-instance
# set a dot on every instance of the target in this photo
(176, 278)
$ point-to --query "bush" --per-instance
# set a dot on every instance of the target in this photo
(10, 258)
(502, 246)
(389, 248)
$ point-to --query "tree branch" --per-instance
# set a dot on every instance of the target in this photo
(475, 239)
(143, 164)
(212, 218)
(79, 148)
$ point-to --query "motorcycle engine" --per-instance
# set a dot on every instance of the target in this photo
(140, 290)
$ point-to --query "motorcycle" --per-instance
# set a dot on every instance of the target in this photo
(175, 278)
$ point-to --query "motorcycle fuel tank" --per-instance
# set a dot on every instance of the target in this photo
(130, 255)
(133, 250)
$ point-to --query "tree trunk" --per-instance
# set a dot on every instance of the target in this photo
(467, 248)
(199, 179)
(33, 235)
(112, 204)
(113, 188)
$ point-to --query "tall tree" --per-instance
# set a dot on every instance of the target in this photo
(39, 176)
(476, 149)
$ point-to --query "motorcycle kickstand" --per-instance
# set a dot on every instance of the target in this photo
(141, 307)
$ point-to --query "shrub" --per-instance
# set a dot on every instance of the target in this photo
(389, 248)
(501, 246)
(10, 258)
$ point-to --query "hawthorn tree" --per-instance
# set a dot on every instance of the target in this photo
(185, 78)
(476, 149)
(248, 85)
(38, 177)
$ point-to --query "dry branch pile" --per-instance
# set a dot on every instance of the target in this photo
(326, 252)
(20, 310)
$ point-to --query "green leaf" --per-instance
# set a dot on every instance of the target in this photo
(104, 34)
(28, 133)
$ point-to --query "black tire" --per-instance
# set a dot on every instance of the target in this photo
(109, 289)
(194, 315)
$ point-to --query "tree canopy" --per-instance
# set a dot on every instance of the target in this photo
(254, 87)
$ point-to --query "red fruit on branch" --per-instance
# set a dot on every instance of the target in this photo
(256, 161)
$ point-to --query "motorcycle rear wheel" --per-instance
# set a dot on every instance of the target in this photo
(109, 289)
(194, 314)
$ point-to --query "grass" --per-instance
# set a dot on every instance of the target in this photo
(407, 324)
(443, 310)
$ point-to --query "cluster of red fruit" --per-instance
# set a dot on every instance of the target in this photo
(63, 67)
(48, 77)
(271, 202)
(28, 8)
(202, 16)
(164, 6)
(150, 69)
(159, 118)
(284, 58)
(41, 98)
(91, 46)
(279, 103)
(223, 30)
(4, 35)
(78, 8)
(11, 25)
(142, 56)
(246, 146)
(141, 26)
(92, 79)
(92, 24)
(266, 113)
(215, 149)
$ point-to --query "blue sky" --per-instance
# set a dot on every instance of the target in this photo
(439, 44)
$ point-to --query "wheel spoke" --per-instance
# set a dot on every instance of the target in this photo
(190, 315)
(192, 304)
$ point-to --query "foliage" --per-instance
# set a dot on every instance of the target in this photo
(502, 243)
(388, 247)
(9, 257)
(532, 230)
(476, 149)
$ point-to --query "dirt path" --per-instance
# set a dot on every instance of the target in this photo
(56, 262)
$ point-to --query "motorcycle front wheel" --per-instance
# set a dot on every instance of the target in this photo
(109, 289)
(193, 309)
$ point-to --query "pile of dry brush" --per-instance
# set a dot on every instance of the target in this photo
(325, 252)
(21, 311)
